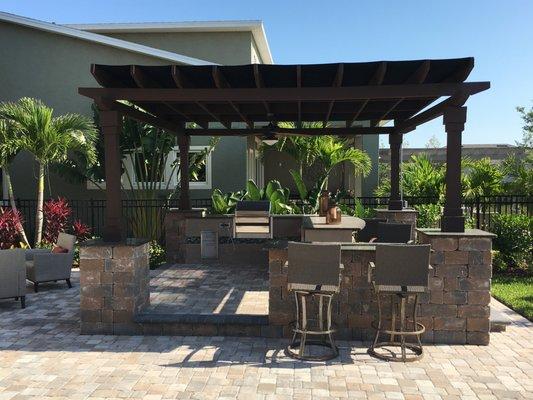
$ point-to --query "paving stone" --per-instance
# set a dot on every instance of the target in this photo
(43, 356)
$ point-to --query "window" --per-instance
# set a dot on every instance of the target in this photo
(138, 169)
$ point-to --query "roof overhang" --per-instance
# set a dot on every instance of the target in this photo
(254, 26)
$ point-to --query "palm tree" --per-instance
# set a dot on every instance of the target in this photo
(10, 146)
(51, 140)
(331, 151)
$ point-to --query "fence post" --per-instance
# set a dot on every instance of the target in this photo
(478, 213)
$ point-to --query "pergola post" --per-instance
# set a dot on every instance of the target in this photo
(184, 142)
(111, 124)
(395, 201)
(453, 220)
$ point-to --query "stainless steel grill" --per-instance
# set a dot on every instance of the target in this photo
(252, 220)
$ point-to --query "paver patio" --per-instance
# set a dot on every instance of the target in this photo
(43, 356)
(207, 289)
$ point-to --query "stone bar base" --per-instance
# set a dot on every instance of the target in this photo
(353, 308)
(176, 232)
(458, 305)
(405, 216)
(114, 286)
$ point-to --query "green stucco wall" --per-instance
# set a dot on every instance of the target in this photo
(51, 67)
(218, 47)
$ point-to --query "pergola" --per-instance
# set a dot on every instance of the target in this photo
(242, 99)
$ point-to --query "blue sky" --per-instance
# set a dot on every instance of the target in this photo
(498, 33)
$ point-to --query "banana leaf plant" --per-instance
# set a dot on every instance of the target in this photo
(224, 203)
(273, 192)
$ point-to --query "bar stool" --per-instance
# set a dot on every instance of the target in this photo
(401, 273)
(393, 233)
(314, 274)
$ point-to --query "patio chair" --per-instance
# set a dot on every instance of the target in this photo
(370, 231)
(45, 265)
(393, 233)
(314, 274)
(400, 273)
(13, 275)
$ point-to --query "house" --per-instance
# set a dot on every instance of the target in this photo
(50, 61)
(496, 152)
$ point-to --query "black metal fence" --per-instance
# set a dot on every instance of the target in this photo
(91, 211)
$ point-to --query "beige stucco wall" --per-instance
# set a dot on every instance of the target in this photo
(51, 67)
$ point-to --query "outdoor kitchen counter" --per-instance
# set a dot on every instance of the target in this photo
(315, 228)
(455, 309)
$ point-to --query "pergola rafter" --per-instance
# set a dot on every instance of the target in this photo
(337, 94)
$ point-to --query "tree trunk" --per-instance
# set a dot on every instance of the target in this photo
(14, 205)
(40, 201)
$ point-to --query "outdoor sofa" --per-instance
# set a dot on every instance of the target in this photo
(13, 275)
(45, 265)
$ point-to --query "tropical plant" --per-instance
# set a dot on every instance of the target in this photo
(10, 146)
(518, 172)
(51, 140)
(9, 234)
(419, 178)
(527, 128)
(273, 192)
(429, 215)
(482, 178)
(332, 151)
(224, 203)
(81, 231)
(56, 217)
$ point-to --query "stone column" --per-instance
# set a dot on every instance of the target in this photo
(459, 298)
(405, 216)
(175, 232)
(114, 286)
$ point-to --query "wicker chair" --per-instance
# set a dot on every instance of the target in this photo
(13, 275)
(314, 274)
(393, 233)
(370, 231)
(400, 274)
(44, 266)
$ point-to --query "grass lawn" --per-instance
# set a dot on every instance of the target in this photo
(515, 292)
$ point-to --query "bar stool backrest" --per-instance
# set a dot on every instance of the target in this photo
(370, 231)
(393, 233)
(402, 267)
(314, 266)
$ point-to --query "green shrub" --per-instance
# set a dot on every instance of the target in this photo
(514, 241)
(428, 215)
(157, 255)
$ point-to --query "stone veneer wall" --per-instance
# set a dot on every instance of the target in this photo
(114, 286)
(458, 307)
(454, 311)
(353, 307)
(406, 216)
(175, 233)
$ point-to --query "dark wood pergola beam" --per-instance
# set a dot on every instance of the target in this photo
(137, 115)
(181, 81)
(143, 81)
(431, 113)
(356, 130)
(337, 82)
(258, 79)
(379, 92)
(222, 83)
(418, 76)
(376, 79)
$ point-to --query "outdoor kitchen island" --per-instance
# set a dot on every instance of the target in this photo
(454, 310)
